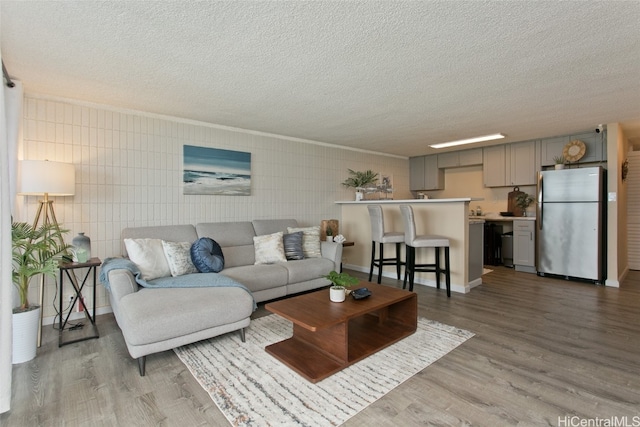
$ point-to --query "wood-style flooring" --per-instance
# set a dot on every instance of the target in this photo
(545, 352)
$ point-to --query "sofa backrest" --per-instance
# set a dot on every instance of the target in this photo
(235, 239)
(170, 233)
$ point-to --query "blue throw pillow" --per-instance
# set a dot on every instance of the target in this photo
(206, 255)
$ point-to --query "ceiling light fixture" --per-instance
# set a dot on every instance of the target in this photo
(468, 140)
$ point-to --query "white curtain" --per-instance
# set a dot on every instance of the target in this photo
(10, 134)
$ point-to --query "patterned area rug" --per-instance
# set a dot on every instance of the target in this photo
(252, 388)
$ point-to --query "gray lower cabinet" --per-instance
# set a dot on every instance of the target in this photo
(524, 245)
(424, 173)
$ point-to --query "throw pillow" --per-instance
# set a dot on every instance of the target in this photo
(148, 255)
(206, 255)
(293, 245)
(179, 258)
(269, 248)
(310, 240)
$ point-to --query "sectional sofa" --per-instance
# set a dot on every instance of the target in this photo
(159, 319)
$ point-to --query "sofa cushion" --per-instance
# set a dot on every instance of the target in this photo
(179, 258)
(148, 255)
(310, 240)
(259, 277)
(207, 256)
(293, 245)
(269, 248)
(235, 239)
(308, 269)
(169, 233)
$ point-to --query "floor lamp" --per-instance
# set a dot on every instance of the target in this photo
(45, 178)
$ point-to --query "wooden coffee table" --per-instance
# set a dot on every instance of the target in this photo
(329, 336)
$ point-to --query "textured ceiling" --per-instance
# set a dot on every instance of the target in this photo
(389, 77)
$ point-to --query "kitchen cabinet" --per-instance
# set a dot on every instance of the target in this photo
(595, 144)
(524, 245)
(510, 164)
(424, 173)
(460, 158)
(524, 167)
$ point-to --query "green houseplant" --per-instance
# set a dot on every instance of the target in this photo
(523, 201)
(340, 281)
(360, 180)
(559, 161)
(34, 252)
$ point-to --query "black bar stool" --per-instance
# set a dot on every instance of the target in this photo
(413, 241)
(379, 236)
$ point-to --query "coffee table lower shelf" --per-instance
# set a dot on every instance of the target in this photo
(320, 354)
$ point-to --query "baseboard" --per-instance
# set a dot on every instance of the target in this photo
(75, 315)
(455, 287)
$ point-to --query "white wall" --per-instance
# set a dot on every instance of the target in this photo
(129, 173)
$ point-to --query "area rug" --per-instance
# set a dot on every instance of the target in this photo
(252, 388)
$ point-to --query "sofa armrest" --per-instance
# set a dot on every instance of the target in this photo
(332, 251)
(121, 283)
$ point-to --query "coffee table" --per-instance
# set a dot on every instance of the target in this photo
(329, 336)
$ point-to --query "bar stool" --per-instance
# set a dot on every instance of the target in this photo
(379, 236)
(413, 241)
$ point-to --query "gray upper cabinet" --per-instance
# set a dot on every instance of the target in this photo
(595, 144)
(524, 167)
(460, 158)
(424, 173)
(494, 166)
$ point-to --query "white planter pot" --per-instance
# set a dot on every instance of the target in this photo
(559, 167)
(25, 335)
(336, 294)
(329, 238)
(359, 196)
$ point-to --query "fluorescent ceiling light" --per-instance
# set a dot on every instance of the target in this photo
(469, 140)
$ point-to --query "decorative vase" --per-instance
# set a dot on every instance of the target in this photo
(337, 294)
(359, 196)
(82, 245)
(25, 335)
(329, 238)
(560, 166)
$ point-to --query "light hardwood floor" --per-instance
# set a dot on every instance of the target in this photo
(545, 350)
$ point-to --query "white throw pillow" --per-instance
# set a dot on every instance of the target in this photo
(148, 255)
(179, 258)
(310, 240)
(269, 248)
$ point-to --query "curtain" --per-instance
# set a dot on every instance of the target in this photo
(10, 134)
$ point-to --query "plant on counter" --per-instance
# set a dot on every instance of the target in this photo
(360, 179)
(523, 200)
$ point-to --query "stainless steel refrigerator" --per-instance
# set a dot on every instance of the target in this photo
(571, 223)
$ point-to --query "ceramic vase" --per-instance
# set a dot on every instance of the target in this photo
(337, 294)
(82, 248)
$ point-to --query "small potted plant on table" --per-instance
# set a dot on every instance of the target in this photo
(523, 201)
(341, 281)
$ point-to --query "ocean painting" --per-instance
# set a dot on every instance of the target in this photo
(216, 171)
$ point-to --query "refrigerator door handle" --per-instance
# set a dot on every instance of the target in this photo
(539, 205)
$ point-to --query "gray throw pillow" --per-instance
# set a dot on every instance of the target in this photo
(293, 245)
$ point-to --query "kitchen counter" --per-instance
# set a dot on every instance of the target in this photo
(500, 218)
(446, 217)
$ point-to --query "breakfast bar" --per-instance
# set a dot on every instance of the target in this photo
(446, 217)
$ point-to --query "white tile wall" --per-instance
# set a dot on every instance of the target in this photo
(129, 174)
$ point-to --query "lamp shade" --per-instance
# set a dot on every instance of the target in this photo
(39, 177)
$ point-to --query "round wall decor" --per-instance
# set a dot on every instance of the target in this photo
(574, 150)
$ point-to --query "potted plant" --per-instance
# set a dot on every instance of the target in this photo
(559, 161)
(340, 281)
(360, 180)
(523, 200)
(329, 234)
(34, 252)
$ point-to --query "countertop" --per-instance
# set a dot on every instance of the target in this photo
(388, 201)
(495, 218)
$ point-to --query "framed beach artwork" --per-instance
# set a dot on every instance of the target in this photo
(216, 172)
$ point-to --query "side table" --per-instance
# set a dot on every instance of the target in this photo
(88, 331)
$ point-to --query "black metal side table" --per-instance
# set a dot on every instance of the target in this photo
(87, 331)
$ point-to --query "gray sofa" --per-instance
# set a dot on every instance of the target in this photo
(155, 320)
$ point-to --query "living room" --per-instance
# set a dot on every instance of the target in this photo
(129, 165)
